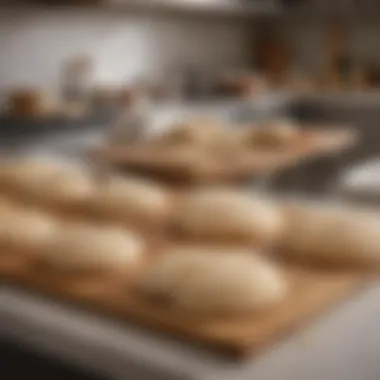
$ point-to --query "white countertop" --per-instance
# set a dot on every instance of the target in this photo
(362, 182)
(343, 344)
(340, 345)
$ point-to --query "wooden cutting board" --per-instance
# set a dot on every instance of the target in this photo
(243, 165)
(313, 292)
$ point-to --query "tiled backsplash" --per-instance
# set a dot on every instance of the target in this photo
(34, 44)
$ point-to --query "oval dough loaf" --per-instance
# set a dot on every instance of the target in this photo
(131, 199)
(332, 235)
(6, 205)
(214, 281)
(70, 187)
(93, 248)
(222, 214)
(25, 175)
(275, 134)
(26, 230)
(199, 132)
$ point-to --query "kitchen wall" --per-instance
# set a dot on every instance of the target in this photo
(34, 43)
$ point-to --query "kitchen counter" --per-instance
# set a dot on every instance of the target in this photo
(342, 344)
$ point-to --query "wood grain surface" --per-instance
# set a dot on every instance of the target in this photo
(239, 165)
(313, 292)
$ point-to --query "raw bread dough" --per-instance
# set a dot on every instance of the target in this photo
(26, 230)
(180, 134)
(47, 182)
(19, 169)
(6, 205)
(214, 280)
(274, 134)
(192, 132)
(131, 199)
(183, 155)
(332, 235)
(81, 247)
(70, 187)
(26, 175)
(224, 214)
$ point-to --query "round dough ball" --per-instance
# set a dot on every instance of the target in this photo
(306, 229)
(131, 199)
(275, 134)
(26, 175)
(222, 214)
(93, 248)
(26, 230)
(70, 187)
(214, 281)
(227, 142)
(6, 205)
(177, 158)
(193, 132)
(183, 155)
(332, 235)
(179, 134)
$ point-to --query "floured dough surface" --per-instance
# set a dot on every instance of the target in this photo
(70, 187)
(26, 230)
(6, 205)
(182, 156)
(30, 177)
(199, 132)
(131, 199)
(332, 234)
(214, 280)
(275, 134)
(224, 214)
(24, 170)
(81, 247)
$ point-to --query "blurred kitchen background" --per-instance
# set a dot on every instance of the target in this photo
(79, 67)
(297, 45)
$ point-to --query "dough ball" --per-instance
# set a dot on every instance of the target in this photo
(81, 247)
(332, 235)
(26, 230)
(26, 175)
(176, 158)
(214, 281)
(224, 214)
(183, 155)
(277, 134)
(6, 205)
(201, 131)
(132, 199)
(179, 134)
(71, 187)
(187, 162)
(227, 142)
(306, 229)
